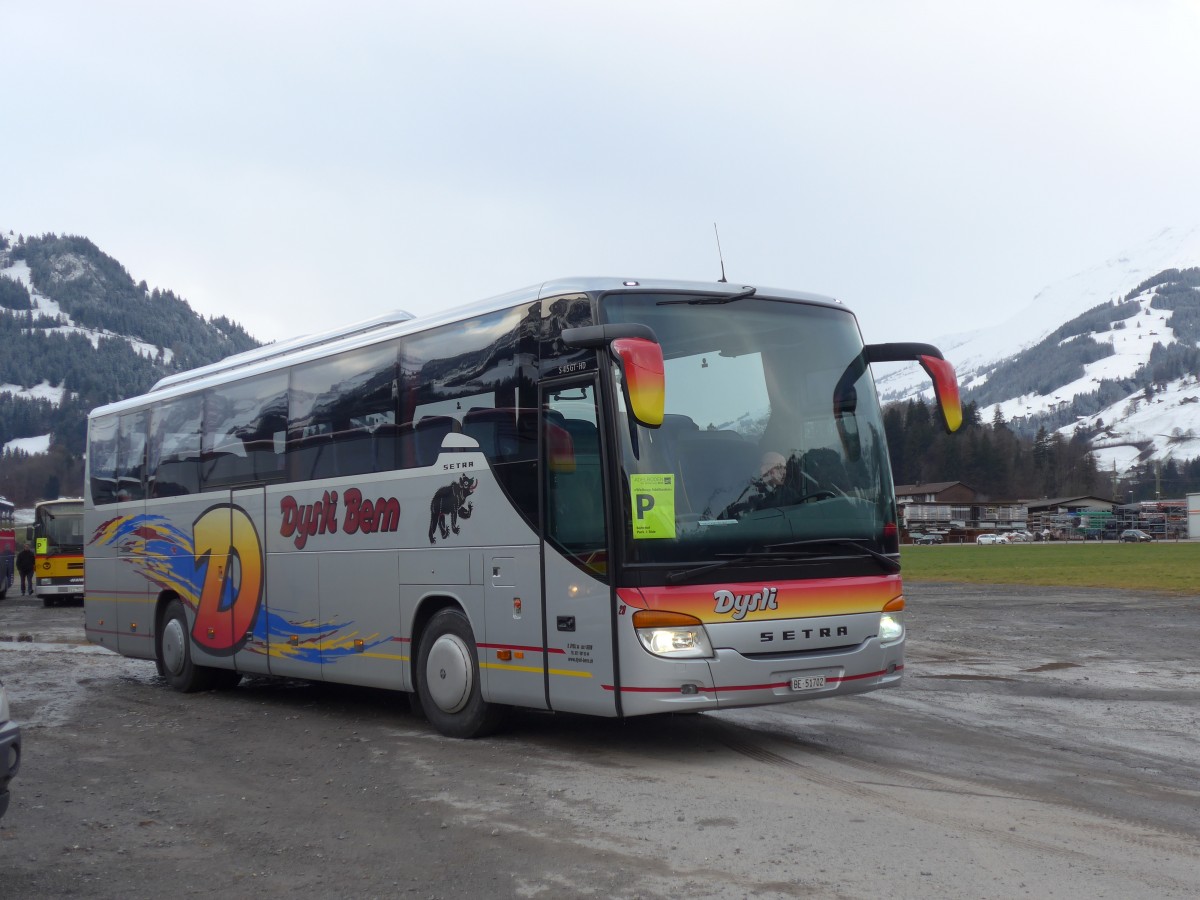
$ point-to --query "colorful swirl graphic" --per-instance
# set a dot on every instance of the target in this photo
(166, 557)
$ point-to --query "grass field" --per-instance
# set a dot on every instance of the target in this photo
(1161, 566)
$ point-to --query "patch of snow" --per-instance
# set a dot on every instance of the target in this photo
(19, 271)
(43, 391)
(39, 444)
(1170, 421)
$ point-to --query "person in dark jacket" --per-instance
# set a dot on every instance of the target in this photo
(771, 490)
(25, 560)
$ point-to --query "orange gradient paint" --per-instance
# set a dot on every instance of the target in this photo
(790, 600)
(645, 383)
(945, 387)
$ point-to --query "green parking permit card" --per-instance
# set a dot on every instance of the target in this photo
(653, 503)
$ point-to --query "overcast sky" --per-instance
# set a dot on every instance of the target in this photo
(291, 165)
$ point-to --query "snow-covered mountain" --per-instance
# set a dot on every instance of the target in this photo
(1125, 429)
(77, 332)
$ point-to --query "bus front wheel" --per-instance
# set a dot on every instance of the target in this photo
(448, 679)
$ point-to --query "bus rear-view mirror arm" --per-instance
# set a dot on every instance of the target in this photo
(940, 371)
(845, 397)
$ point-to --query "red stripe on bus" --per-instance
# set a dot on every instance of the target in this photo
(744, 687)
(519, 647)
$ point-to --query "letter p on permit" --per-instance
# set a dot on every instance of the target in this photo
(652, 504)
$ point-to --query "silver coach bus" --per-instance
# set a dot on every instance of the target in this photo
(593, 496)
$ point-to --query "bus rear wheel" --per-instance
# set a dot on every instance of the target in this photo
(448, 679)
(174, 657)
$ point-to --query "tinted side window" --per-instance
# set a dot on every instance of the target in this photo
(174, 449)
(102, 460)
(558, 313)
(245, 431)
(131, 457)
(343, 414)
(478, 378)
(465, 377)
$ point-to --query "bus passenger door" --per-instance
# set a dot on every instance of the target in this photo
(576, 594)
(249, 546)
(230, 537)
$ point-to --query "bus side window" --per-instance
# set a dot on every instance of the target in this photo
(173, 460)
(131, 457)
(244, 428)
(342, 414)
(102, 460)
(574, 482)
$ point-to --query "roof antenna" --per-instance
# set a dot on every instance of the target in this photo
(719, 256)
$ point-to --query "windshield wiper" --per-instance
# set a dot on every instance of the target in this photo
(772, 554)
(886, 561)
(746, 291)
(734, 558)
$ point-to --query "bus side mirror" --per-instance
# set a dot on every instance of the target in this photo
(637, 351)
(642, 375)
(945, 382)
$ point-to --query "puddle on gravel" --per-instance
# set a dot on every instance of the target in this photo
(1054, 667)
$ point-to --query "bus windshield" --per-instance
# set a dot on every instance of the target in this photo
(61, 524)
(772, 435)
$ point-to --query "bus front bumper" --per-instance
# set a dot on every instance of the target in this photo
(59, 590)
(730, 679)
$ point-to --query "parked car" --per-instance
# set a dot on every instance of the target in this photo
(10, 749)
(1020, 537)
(1135, 536)
(990, 539)
(927, 539)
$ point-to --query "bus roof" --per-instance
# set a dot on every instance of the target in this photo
(400, 323)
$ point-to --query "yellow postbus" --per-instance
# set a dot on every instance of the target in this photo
(58, 545)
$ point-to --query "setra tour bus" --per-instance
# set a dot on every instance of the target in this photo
(58, 548)
(595, 496)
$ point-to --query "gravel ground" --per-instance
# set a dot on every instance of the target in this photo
(1044, 744)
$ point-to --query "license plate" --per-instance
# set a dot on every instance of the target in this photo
(808, 682)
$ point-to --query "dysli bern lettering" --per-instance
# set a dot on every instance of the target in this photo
(303, 520)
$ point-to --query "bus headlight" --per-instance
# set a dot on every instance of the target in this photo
(891, 627)
(673, 635)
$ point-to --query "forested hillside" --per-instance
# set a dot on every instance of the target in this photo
(78, 332)
(1003, 465)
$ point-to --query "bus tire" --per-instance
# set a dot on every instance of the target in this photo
(174, 654)
(448, 679)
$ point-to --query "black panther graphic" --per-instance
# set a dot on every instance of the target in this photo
(451, 500)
